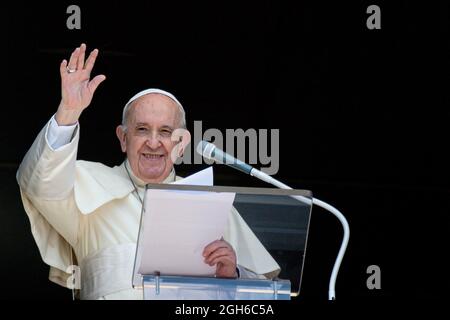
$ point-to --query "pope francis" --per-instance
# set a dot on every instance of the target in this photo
(87, 214)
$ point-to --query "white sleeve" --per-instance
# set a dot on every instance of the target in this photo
(244, 273)
(59, 136)
(46, 178)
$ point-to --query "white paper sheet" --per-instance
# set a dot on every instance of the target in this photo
(178, 225)
(201, 178)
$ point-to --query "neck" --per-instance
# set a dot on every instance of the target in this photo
(141, 183)
(137, 181)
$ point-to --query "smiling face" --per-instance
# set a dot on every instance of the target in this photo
(147, 139)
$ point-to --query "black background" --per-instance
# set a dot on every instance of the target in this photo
(363, 118)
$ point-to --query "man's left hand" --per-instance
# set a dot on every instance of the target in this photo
(221, 254)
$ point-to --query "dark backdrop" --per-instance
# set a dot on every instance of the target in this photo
(363, 117)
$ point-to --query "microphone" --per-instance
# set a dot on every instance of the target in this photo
(210, 151)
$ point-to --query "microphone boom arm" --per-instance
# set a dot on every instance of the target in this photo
(331, 288)
(210, 151)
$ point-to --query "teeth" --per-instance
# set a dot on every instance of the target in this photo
(152, 156)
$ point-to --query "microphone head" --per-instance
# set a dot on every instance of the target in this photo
(206, 149)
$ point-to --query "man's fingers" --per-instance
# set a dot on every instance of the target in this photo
(224, 259)
(74, 59)
(63, 68)
(80, 63)
(218, 253)
(94, 83)
(91, 60)
(213, 246)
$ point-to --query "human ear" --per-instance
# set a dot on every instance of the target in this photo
(121, 135)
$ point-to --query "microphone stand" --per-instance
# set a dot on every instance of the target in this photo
(331, 288)
(210, 151)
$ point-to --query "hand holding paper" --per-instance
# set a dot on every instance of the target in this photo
(219, 253)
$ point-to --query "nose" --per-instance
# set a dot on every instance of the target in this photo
(153, 142)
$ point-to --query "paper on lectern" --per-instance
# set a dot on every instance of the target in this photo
(177, 226)
(201, 178)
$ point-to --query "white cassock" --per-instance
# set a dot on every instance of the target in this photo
(91, 209)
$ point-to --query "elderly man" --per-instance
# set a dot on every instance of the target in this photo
(89, 213)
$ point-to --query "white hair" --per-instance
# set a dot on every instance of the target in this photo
(182, 114)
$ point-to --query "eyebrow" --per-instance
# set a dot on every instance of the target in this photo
(138, 124)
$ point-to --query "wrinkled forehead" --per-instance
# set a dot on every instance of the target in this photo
(153, 108)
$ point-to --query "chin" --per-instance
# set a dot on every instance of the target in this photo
(152, 176)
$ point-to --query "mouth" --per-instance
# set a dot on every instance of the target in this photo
(152, 156)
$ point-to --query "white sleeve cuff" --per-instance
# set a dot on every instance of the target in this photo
(244, 273)
(58, 136)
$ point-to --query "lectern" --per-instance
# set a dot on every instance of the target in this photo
(277, 219)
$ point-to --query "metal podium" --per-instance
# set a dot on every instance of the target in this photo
(279, 219)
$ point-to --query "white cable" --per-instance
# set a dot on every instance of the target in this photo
(331, 288)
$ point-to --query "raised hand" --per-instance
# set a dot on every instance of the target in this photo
(77, 89)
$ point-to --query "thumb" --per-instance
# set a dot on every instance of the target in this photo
(94, 83)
